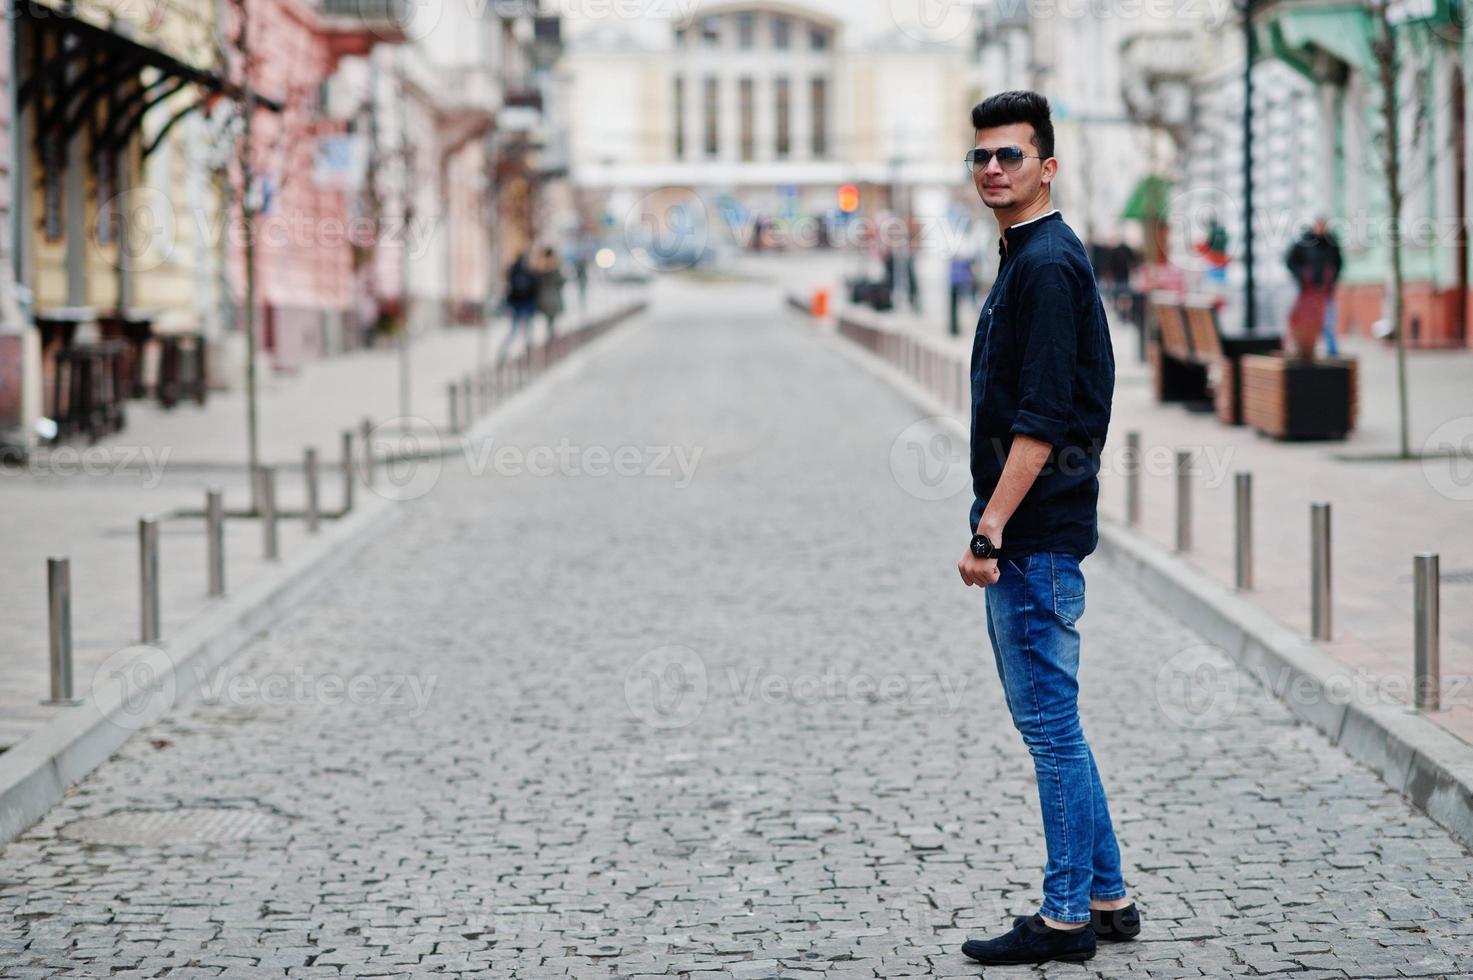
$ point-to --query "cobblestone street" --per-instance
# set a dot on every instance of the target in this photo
(671, 674)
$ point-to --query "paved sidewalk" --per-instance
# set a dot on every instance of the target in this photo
(85, 501)
(737, 727)
(1383, 511)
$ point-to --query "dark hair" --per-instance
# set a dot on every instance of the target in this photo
(1018, 106)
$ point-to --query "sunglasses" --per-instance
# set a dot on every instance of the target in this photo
(1008, 157)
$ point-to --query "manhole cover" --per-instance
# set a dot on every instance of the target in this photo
(187, 825)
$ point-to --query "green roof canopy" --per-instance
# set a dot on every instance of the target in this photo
(1149, 199)
(1343, 31)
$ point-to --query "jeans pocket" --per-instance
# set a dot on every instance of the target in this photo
(1068, 587)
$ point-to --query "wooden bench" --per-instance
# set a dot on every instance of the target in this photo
(1196, 363)
(1176, 373)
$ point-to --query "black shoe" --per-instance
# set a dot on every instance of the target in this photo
(1032, 941)
(1115, 925)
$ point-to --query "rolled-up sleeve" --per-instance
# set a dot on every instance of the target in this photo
(1048, 328)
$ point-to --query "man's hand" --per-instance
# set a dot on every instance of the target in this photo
(980, 572)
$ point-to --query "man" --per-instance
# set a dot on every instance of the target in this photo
(1314, 262)
(521, 300)
(1043, 374)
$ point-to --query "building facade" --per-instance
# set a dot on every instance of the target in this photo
(1320, 142)
(767, 111)
(750, 119)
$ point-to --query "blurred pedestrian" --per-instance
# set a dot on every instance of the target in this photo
(1314, 262)
(521, 300)
(550, 281)
(962, 284)
(1213, 248)
(580, 273)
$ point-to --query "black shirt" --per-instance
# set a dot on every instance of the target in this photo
(1042, 365)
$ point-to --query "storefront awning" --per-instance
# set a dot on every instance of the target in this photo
(65, 80)
(1149, 199)
(1342, 31)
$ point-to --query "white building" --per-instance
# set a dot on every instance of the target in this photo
(772, 107)
(769, 108)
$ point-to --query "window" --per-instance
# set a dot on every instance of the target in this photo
(820, 92)
(818, 39)
(782, 30)
(784, 134)
(680, 37)
(711, 32)
(713, 120)
(749, 139)
(679, 118)
(746, 30)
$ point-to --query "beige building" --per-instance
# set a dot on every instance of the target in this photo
(768, 108)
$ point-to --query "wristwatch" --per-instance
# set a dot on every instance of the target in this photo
(983, 547)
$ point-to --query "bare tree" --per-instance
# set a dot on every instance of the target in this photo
(1383, 47)
(239, 171)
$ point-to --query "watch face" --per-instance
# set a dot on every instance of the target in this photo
(981, 546)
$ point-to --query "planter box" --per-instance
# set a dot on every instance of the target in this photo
(1294, 399)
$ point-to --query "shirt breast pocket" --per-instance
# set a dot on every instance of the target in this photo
(993, 316)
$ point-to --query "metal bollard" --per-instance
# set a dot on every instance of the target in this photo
(1319, 570)
(1133, 478)
(148, 579)
(266, 493)
(452, 393)
(468, 406)
(215, 539)
(1183, 500)
(368, 452)
(1243, 530)
(347, 471)
(59, 605)
(1427, 653)
(309, 475)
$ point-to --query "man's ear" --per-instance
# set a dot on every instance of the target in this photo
(1050, 169)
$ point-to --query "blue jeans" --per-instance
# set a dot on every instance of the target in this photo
(521, 323)
(1031, 615)
(1329, 326)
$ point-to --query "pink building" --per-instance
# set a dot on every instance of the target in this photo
(15, 415)
(305, 292)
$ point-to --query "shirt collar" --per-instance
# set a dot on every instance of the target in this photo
(1015, 234)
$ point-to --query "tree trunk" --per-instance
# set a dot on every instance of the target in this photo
(1386, 64)
(248, 212)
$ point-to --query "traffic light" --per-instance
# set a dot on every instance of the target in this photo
(848, 198)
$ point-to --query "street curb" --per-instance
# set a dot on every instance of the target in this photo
(1430, 767)
(37, 772)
